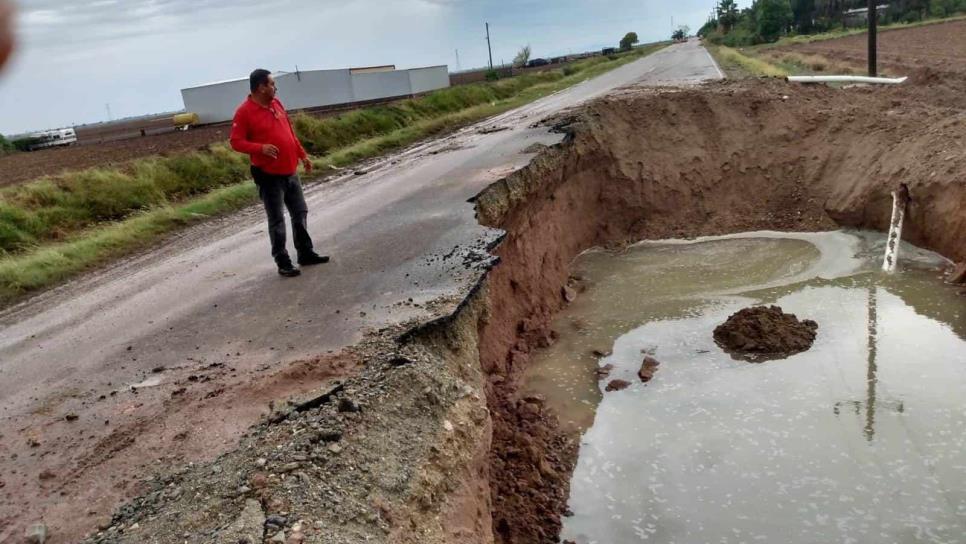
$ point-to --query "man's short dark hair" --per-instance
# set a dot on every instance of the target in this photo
(257, 78)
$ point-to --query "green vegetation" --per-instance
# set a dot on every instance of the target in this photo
(733, 61)
(24, 144)
(54, 228)
(628, 41)
(767, 21)
(523, 56)
(53, 263)
(6, 146)
(772, 19)
(51, 208)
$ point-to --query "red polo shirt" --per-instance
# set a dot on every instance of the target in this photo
(255, 125)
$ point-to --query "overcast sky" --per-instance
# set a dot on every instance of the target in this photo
(76, 56)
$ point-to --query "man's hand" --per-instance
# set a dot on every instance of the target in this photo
(307, 164)
(270, 150)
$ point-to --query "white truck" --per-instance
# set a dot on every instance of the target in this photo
(52, 138)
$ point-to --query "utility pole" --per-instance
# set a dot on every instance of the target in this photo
(109, 117)
(488, 46)
(458, 60)
(873, 17)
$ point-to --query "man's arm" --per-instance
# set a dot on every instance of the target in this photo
(239, 136)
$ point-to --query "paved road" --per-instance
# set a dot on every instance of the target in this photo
(215, 291)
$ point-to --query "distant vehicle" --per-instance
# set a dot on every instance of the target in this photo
(537, 62)
(51, 138)
(608, 51)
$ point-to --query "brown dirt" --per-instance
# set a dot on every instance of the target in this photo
(765, 332)
(99, 459)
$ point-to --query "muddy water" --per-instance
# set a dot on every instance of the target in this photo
(859, 439)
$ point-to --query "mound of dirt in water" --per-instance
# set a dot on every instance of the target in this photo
(765, 333)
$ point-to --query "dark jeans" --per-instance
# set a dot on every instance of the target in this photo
(275, 191)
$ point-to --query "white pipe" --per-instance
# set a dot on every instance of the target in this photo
(847, 79)
(899, 202)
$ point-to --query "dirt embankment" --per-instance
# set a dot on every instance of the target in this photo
(433, 441)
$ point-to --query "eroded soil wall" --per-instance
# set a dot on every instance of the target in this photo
(727, 157)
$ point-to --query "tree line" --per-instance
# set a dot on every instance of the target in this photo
(767, 20)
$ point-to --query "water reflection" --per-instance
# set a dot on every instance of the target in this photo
(871, 379)
(714, 450)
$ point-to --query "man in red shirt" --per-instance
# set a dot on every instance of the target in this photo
(262, 130)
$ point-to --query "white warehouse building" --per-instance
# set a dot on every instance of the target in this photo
(216, 102)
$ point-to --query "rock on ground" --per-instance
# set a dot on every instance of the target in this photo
(648, 368)
(617, 385)
(604, 371)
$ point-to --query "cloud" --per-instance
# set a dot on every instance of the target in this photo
(65, 23)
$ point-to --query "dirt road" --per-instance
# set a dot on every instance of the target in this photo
(169, 357)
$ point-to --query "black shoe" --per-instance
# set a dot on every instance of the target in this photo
(287, 270)
(313, 258)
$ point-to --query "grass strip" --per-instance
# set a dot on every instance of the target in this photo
(54, 263)
(737, 64)
(53, 208)
(55, 228)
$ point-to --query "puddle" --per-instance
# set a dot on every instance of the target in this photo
(857, 440)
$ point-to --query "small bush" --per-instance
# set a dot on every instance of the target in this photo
(6, 146)
(492, 75)
(570, 70)
(24, 144)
